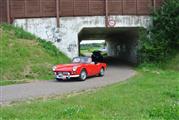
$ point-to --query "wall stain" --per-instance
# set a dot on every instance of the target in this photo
(71, 47)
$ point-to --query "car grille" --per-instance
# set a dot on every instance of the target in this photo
(63, 73)
(66, 73)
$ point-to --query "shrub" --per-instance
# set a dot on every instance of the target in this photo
(161, 41)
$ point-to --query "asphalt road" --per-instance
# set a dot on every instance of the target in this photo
(115, 73)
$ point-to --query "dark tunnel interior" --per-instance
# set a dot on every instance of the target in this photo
(121, 42)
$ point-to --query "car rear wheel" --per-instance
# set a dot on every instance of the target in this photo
(83, 75)
(102, 71)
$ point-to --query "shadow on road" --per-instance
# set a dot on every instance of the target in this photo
(66, 81)
(117, 62)
(73, 80)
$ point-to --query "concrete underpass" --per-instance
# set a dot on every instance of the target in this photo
(116, 72)
(121, 38)
(121, 42)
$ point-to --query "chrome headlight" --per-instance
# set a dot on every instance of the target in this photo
(54, 68)
(75, 68)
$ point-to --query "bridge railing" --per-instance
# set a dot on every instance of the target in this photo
(11, 9)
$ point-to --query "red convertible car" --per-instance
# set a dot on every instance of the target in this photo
(81, 67)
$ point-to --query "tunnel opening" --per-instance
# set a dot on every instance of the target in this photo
(121, 43)
(89, 46)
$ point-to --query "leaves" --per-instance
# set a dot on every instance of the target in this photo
(164, 34)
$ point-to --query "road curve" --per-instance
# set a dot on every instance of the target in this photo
(13, 93)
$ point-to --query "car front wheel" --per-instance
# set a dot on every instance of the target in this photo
(83, 75)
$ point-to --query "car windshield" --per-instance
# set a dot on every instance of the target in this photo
(82, 60)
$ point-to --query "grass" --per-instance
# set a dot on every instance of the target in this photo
(25, 57)
(174, 64)
(153, 94)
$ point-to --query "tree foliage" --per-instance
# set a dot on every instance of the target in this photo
(161, 41)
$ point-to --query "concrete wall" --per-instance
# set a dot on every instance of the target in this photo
(123, 48)
(65, 38)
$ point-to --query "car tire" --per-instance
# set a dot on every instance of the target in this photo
(83, 75)
(102, 71)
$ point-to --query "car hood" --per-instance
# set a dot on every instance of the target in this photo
(66, 67)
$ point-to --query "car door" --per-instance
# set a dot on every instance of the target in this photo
(96, 68)
(91, 69)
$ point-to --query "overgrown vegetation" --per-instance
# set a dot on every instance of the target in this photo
(161, 41)
(152, 95)
(174, 64)
(25, 57)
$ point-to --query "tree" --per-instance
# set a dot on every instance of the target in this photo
(161, 41)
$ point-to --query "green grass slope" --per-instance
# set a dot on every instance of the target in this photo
(24, 57)
(152, 95)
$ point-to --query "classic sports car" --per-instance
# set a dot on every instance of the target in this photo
(81, 67)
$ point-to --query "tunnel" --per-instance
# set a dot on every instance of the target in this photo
(121, 42)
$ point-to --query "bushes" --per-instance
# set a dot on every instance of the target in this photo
(161, 41)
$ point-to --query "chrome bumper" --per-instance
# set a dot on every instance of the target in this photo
(66, 76)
